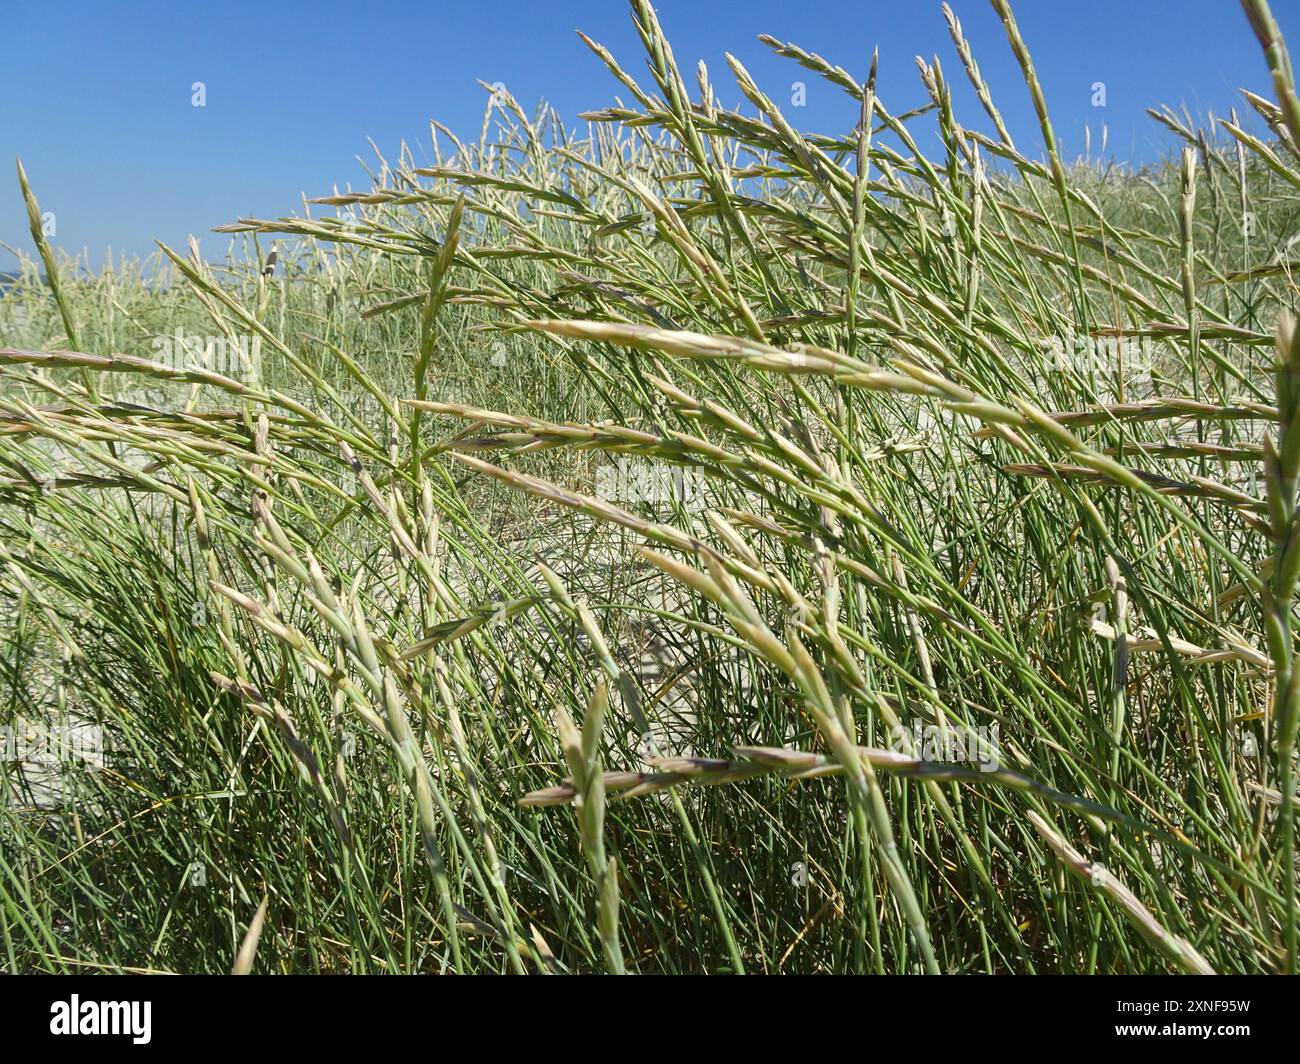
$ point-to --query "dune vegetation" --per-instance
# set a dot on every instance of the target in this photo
(672, 542)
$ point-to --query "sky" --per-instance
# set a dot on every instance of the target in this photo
(98, 98)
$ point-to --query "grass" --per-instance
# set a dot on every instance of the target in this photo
(985, 442)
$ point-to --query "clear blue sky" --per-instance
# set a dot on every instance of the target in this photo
(97, 95)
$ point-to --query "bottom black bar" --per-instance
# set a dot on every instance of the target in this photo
(335, 1013)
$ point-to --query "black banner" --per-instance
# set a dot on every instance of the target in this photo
(139, 1013)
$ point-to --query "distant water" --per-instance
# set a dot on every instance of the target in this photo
(9, 278)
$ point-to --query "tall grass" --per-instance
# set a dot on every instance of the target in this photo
(993, 442)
